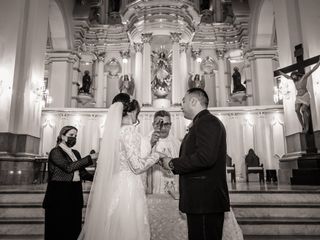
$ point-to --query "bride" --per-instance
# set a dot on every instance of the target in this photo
(117, 207)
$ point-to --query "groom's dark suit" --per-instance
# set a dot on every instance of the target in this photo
(203, 187)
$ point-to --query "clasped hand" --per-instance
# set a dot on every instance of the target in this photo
(164, 160)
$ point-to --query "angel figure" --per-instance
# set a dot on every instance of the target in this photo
(161, 73)
(196, 81)
(126, 84)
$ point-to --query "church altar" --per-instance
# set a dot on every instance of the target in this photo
(257, 127)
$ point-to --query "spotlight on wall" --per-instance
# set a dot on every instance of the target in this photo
(125, 56)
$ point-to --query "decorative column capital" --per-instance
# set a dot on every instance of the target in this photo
(146, 37)
(195, 53)
(221, 53)
(125, 54)
(101, 57)
(259, 53)
(61, 56)
(183, 47)
(138, 47)
(175, 37)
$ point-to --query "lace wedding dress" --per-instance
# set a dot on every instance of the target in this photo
(128, 212)
(117, 206)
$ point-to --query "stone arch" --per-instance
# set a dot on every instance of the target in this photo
(59, 25)
(262, 24)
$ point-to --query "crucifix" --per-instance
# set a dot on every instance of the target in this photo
(300, 78)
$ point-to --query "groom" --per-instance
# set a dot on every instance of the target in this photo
(201, 166)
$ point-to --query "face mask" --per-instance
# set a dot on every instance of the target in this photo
(71, 141)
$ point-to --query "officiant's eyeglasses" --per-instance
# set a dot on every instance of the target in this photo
(164, 125)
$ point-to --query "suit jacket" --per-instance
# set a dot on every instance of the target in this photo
(62, 168)
(202, 167)
(61, 191)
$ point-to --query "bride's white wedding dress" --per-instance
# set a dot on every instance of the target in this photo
(128, 213)
(117, 206)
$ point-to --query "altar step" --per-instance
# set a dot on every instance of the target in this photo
(261, 214)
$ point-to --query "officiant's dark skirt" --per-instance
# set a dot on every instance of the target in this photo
(63, 204)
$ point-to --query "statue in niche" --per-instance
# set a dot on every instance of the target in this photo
(161, 73)
(86, 83)
(95, 15)
(126, 84)
(237, 85)
(196, 81)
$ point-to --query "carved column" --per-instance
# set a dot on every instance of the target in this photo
(146, 84)
(176, 79)
(196, 57)
(61, 65)
(75, 81)
(261, 61)
(183, 68)
(138, 72)
(248, 79)
(223, 94)
(99, 85)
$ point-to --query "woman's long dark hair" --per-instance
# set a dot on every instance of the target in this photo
(63, 132)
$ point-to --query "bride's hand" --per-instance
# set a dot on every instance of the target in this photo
(161, 155)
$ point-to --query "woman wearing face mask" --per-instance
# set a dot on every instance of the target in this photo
(63, 200)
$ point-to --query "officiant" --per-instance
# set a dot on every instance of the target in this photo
(163, 141)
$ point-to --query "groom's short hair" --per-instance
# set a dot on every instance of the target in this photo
(201, 95)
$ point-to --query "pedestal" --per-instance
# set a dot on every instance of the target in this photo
(85, 100)
(300, 170)
(161, 103)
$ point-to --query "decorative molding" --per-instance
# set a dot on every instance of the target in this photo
(259, 53)
(138, 47)
(195, 53)
(146, 37)
(184, 47)
(62, 56)
(175, 37)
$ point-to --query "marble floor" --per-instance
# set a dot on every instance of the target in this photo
(238, 187)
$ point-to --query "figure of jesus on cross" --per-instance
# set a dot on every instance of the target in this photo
(300, 79)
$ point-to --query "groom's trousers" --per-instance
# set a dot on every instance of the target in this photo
(205, 226)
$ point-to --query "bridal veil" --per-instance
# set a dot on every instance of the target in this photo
(96, 224)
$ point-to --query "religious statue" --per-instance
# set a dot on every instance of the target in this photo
(237, 85)
(86, 83)
(126, 84)
(302, 104)
(162, 74)
(196, 81)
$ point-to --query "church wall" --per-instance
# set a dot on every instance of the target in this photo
(260, 128)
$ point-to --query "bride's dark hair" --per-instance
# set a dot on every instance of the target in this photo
(128, 104)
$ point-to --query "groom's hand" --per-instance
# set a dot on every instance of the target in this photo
(165, 163)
